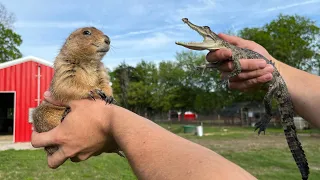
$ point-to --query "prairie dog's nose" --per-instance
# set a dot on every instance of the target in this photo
(107, 39)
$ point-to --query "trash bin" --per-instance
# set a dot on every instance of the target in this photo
(200, 130)
(189, 129)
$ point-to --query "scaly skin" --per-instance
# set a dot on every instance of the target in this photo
(276, 89)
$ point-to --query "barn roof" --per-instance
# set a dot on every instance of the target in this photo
(25, 59)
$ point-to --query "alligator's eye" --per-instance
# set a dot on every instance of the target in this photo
(86, 32)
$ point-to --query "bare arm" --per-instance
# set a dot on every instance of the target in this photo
(92, 127)
(303, 87)
(305, 92)
(155, 153)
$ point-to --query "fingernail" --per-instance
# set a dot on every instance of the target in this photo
(269, 68)
(268, 76)
(47, 94)
(262, 64)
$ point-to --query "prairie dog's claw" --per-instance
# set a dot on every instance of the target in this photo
(103, 96)
(91, 95)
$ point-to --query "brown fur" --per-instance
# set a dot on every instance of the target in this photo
(78, 70)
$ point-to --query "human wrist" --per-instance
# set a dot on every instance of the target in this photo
(108, 118)
(118, 118)
(107, 127)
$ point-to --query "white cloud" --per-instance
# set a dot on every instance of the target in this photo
(208, 2)
(47, 52)
(153, 41)
(147, 31)
(158, 40)
(277, 8)
(57, 24)
(138, 9)
(112, 62)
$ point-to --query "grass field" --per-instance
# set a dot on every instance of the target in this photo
(265, 156)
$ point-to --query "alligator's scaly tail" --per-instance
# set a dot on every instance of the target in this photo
(297, 152)
(286, 110)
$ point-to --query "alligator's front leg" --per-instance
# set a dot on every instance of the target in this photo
(237, 70)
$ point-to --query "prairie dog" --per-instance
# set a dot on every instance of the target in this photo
(79, 74)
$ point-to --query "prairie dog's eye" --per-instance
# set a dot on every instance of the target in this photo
(86, 32)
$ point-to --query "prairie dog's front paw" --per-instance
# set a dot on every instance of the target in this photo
(102, 95)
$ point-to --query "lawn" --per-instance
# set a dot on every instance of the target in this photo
(265, 156)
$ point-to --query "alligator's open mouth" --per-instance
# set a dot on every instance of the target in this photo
(208, 42)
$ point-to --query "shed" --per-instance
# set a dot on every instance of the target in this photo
(22, 84)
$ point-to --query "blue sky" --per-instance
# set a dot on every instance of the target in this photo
(141, 29)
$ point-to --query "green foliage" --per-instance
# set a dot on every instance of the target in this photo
(121, 77)
(294, 40)
(172, 85)
(141, 92)
(9, 41)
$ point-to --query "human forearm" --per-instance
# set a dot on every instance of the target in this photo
(155, 153)
(304, 90)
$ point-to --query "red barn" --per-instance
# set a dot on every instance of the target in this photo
(22, 84)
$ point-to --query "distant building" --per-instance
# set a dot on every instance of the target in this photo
(246, 113)
(22, 84)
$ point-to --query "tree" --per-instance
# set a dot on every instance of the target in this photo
(169, 86)
(141, 92)
(199, 91)
(9, 41)
(6, 18)
(121, 77)
(295, 40)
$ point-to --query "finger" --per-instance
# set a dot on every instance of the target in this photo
(221, 54)
(246, 65)
(48, 98)
(81, 157)
(56, 159)
(43, 139)
(255, 88)
(250, 83)
(253, 74)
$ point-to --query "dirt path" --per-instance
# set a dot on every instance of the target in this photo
(6, 142)
(252, 143)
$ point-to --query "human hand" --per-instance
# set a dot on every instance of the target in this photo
(254, 73)
(84, 132)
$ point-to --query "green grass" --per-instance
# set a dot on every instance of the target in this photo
(32, 165)
(265, 156)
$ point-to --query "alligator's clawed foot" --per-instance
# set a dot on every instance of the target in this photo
(206, 66)
(262, 124)
(224, 82)
(260, 127)
(201, 68)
